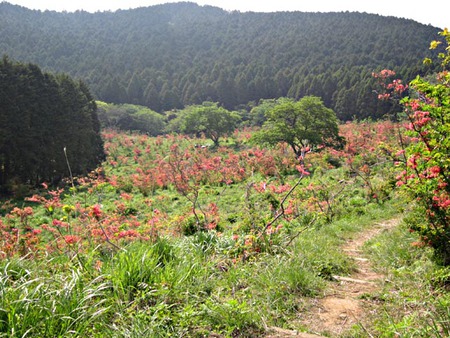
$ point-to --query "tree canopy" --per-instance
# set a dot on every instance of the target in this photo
(208, 119)
(174, 55)
(43, 118)
(130, 117)
(301, 124)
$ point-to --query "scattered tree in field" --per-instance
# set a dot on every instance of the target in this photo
(300, 124)
(43, 118)
(208, 119)
(425, 158)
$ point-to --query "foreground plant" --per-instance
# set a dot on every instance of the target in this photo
(62, 305)
(425, 154)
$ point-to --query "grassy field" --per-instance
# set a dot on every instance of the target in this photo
(174, 237)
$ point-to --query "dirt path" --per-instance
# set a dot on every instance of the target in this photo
(343, 305)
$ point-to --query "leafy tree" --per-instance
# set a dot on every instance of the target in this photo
(300, 124)
(208, 119)
(131, 117)
(258, 113)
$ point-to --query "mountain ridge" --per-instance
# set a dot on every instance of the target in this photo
(171, 55)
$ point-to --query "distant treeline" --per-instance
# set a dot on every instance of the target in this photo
(173, 55)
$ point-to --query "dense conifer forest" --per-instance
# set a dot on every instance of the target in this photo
(173, 55)
(45, 121)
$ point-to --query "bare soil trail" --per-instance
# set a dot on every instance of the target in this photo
(344, 304)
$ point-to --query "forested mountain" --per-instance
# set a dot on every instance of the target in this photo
(172, 55)
(45, 121)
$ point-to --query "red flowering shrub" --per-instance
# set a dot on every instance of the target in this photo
(425, 160)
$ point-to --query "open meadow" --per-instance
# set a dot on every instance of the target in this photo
(173, 236)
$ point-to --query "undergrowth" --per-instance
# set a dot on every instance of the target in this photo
(199, 242)
(174, 286)
(413, 301)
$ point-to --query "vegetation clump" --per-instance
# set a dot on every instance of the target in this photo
(45, 121)
(423, 158)
(303, 124)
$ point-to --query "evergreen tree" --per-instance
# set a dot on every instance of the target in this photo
(41, 115)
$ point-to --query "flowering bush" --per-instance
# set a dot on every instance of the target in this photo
(425, 158)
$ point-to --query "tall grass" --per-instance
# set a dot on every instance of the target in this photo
(187, 286)
(415, 301)
(39, 305)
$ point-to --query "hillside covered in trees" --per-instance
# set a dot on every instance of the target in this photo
(173, 55)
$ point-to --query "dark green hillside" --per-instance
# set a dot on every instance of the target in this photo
(171, 55)
(43, 119)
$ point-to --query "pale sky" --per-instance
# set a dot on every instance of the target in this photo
(436, 13)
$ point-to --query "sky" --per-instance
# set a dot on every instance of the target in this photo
(432, 12)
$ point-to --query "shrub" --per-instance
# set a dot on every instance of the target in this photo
(424, 160)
